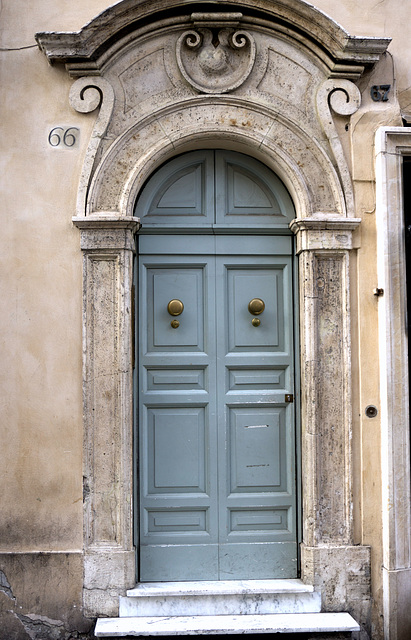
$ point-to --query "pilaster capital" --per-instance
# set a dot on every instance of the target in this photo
(107, 231)
(325, 232)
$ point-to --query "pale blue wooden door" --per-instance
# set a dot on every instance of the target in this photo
(217, 437)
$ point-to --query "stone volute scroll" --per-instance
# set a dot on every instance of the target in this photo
(86, 95)
(215, 56)
(344, 98)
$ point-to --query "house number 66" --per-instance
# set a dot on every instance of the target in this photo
(59, 137)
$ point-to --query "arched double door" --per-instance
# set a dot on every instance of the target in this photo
(217, 450)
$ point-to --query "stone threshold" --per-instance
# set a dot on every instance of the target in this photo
(221, 587)
(225, 597)
(226, 624)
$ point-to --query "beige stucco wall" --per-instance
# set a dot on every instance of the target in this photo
(41, 289)
(40, 324)
(40, 327)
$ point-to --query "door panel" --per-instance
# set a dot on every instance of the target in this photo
(175, 379)
(255, 460)
(178, 473)
(182, 194)
(253, 379)
(247, 191)
(160, 333)
(244, 284)
(181, 430)
(256, 426)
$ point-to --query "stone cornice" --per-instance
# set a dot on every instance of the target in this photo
(106, 221)
(85, 51)
(102, 232)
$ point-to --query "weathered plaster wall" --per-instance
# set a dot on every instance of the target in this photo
(41, 536)
(41, 316)
(40, 327)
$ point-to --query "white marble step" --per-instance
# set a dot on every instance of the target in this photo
(214, 625)
(231, 597)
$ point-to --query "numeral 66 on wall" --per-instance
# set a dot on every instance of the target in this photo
(63, 137)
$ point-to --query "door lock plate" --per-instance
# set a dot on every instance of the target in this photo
(289, 397)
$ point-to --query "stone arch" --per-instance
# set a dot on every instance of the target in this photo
(301, 163)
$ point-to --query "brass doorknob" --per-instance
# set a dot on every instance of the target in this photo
(175, 307)
(256, 306)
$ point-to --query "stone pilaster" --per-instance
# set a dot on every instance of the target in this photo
(109, 560)
(330, 561)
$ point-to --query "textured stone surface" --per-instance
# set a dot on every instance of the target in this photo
(227, 597)
(391, 143)
(342, 575)
(109, 562)
(226, 624)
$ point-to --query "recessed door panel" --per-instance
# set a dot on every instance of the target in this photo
(257, 379)
(243, 285)
(249, 194)
(176, 520)
(175, 379)
(185, 285)
(182, 432)
(253, 521)
(256, 449)
(180, 194)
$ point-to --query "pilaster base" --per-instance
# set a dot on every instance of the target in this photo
(343, 575)
(108, 573)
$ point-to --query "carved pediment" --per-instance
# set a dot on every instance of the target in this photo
(86, 51)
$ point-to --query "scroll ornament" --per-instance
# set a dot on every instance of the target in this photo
(215, 60)
(344, 98)
(86, 95)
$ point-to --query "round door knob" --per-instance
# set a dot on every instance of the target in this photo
(256, 306)
(175, 307)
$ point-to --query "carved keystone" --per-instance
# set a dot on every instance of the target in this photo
(215, 57)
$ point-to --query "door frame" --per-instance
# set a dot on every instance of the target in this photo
(323, 246)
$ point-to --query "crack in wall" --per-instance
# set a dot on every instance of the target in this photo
(5, 587)
(41, 628)
(36, 627)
